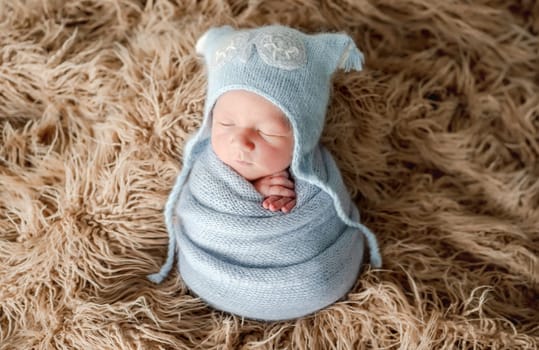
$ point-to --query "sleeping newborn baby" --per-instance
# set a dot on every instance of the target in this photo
(252, 136)
(259, 216)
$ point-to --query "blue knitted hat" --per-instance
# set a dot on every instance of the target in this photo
(292, 70)
(289, 68)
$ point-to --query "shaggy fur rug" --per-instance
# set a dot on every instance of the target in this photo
(437, 140)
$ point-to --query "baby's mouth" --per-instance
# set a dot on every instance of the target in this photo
(242, 162)
(241, 159)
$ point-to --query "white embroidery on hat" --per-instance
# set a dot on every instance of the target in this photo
(281, 49)
(276, 48)
(236, 45)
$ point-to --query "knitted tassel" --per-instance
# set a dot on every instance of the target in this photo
(171, 251)
(169, 219)
(352, 58)
(158, 277)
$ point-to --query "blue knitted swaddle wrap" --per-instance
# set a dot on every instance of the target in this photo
(244, 259)
(293, 71)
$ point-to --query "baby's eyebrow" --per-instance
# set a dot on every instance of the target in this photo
(222, 115)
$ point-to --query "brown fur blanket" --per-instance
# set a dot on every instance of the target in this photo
(437, 140)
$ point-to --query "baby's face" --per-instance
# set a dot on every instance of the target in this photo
(251, 135)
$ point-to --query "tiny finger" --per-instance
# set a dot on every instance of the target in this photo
(278, 204)
(288, 206)
(282, 181)
(281, 191)
(280, 173)
(269, 200)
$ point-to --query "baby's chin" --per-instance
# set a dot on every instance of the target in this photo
(249, 171)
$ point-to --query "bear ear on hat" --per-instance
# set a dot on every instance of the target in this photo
(351, 58)
(208, 43)
(343, 52)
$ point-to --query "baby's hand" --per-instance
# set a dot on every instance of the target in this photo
(278, 190)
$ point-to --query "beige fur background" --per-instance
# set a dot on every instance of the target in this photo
(437, 140)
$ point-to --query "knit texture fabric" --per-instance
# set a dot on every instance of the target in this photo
(244, 259)
(292, 70)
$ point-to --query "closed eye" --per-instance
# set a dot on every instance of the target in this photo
(225, 124)
(269, 134)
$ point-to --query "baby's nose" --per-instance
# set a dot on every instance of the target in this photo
(245, 141)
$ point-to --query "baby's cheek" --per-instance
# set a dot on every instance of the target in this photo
(218, 147)
(278, 158)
